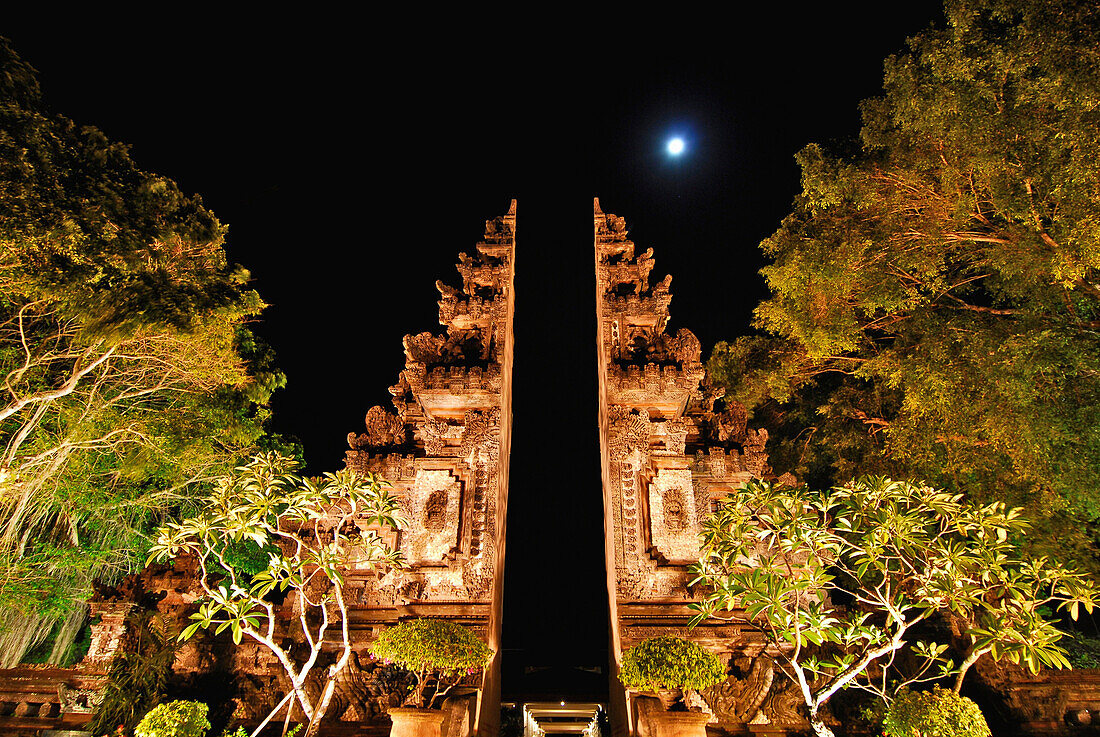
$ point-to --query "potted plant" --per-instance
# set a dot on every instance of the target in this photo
(439, 654)
(667, 666)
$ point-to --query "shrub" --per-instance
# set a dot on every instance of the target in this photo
(939, 712)
(670, 662)
(433, 651)
(174, 719)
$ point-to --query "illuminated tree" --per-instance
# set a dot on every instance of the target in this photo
(311, 532)
(128, 376)
(667, 665)
(837, 582)
(437, 653)
(935, 295)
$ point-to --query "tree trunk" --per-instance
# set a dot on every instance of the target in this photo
(322, 707)
(820, 728)
(965, 666)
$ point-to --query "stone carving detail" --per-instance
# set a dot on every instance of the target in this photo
(672, 500)
(674, 433)
(423, 348)
(629, 431)
(460, 346)
(642, 346)
(433, 501)
(436, 433)
(686, 347)
(783, 705)
(435, 511)
(754, 459)
(674, 524)
(731, 424)
(384, 430)
(739, 697)
(482, 431)
(78, 700)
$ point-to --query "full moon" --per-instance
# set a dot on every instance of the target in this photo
(676, 146)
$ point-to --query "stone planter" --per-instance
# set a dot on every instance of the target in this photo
(679, 723)
(669, 697)
(416, 722)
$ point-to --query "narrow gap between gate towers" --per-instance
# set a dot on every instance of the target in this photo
(555, 623)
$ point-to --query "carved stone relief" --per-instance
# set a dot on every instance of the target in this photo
(384, 430)
(673, 521)
(434, 497)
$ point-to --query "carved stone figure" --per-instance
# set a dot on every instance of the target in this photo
(686, 347)
(422, 348)
(383, 430)
(731, 424)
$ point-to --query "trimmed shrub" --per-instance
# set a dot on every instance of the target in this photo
(937, 713)
(174, 719)
(433, 651)
(670, 662)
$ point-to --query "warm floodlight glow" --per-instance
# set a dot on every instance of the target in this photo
(676, 146)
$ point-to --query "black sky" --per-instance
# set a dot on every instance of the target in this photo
(353, 162)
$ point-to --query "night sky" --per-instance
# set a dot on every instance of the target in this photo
(353, 162)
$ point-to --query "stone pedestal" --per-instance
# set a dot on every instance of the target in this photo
(679, 724)
(417, 722)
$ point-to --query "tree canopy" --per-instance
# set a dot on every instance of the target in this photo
(129, 375)
(935, 293)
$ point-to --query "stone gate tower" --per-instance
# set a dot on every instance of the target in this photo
(445, 448)
(667, 457)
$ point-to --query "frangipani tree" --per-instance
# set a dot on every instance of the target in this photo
(837, 581)
(311, 529)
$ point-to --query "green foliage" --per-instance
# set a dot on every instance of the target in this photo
(785, 559)
(174, 719)
(138, 676)
(935, 296)
(309, 532)
(130, 377)
(1082, 651)
(247, 558)
(74, 652)
(669, 663)
(938, 712)
(433, 650)
(242, 732)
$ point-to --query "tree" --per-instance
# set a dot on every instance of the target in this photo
(935, 295)
(312, 530)
(838, 582)
(669, 664)
(129, 377)
(434, 651)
